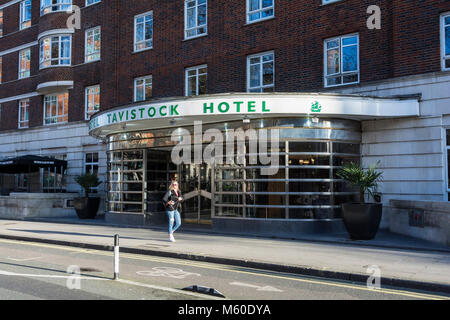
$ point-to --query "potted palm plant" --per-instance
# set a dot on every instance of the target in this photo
(87, 207)
(362, 219)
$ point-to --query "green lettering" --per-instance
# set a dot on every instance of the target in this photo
(109, 118)
(160, 111)
(223, 104)
(264, 107)
(121, 115)
(142, 112)
(151, 112)
(133, 114)
(173, 110)
(251, 106)
(114, 118)
(238, 105)
(210, 108)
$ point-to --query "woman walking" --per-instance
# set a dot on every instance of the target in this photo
(172, 202)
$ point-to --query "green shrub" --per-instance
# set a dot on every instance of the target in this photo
(364, 180)
(88, 181)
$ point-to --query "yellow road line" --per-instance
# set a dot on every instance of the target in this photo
(221, 267)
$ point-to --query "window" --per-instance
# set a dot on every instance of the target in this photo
(341, 61)
(48, 6)
(91, 162)
(259, 10)
(93, 44)
(91, 166)
(1, 23)
(329, 1)
(143, 31)
(448, 163)
(143, 88)
(56, 108)
(1, 68)
(196, 80)
(260, 72)
(195, 18)
(24, 106)
(92, 101)
(25, 14)
(24, 63)
(89, 2)
(445, 43)
(54, 180)
(55, 51)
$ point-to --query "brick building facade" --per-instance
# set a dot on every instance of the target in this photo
(406, 57)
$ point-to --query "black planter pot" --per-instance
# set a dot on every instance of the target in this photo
(86, 208)
(362, 220)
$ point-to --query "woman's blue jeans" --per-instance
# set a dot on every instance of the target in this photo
(174, 216)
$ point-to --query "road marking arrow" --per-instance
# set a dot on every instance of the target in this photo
(258, 288)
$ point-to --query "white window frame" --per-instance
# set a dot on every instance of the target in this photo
(88, 113)
(50, 120)
(24, 73)
(26, 123)
(2, 19)
(87, 4)
(145, 78)
(92, 54)
(91, 165)
(23, 6)
(329, 1)
(446, 170)
(197, 27)
(261, 9)
(197, 76)
(444, 57)
(60, 58)
(136, 43)
(49, 6)
(341, 56)
(261, 70)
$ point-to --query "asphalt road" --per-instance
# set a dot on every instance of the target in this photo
(43, 271)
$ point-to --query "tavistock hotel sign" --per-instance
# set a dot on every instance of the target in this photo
(259, 105)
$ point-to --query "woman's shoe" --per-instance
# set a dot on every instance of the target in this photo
(171, 238)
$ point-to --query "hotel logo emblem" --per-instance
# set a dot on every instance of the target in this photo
(316, 107)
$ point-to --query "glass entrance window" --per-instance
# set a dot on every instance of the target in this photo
(305, 186)
(125, 181)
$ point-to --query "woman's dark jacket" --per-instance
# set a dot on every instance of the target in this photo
(171, 195)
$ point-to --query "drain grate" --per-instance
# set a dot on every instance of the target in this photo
(87, 269)
(204, 290)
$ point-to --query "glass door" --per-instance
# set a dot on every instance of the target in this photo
(195, 184)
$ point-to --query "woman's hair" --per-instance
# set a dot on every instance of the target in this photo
(171, 187)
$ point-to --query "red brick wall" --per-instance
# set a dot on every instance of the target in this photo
(408, 43)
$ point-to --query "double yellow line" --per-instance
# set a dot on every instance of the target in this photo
(242, 270)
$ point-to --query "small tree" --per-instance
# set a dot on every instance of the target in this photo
(365, 180)
(88, 181)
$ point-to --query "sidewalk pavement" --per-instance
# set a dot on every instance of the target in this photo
(404, 262)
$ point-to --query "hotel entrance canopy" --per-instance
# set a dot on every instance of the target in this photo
(177, 112)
